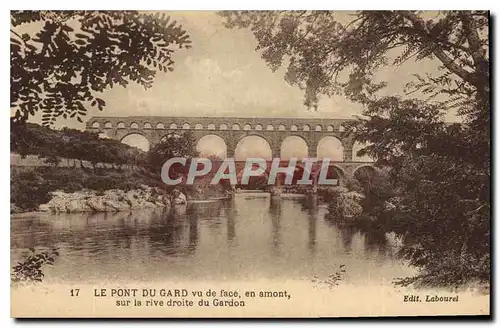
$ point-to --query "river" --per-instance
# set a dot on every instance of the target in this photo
(250, 237)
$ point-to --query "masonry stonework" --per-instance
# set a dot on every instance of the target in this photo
(232, 130)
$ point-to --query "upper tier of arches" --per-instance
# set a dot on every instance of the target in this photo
(222, 127)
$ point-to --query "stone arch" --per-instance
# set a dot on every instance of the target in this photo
(120, 125)
(365, 175)
(198, 126)
(211, 127)
(330, 147)
(339, 169)
(235, 126)
(160, 126)
(136, 139)
(270, 127)
(95, 125)
(368, 167)
(340, 173)
(223, 126)
(299, 147)
(212, 145)
(262, 149)
(334, 172)
(108, 125)
(134, 125)
(253, 181)
(247, 127)
(341, 128)
(147, 126)
(330, 128)
(294, 128)
(173, 126)
(281, 127)
(306, 127)
(258, 127)
(318, 128)
(186, 126)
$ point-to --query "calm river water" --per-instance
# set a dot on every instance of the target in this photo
(250, 237)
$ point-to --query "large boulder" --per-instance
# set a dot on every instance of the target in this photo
(114, 206)
(148, 205)
(60, 194)
(15, 209)
(132, 198)
(145, 187)
(58, 203)
(114, 194)
(44, 208)
(179, 199)
(162, 200)
(77, 205)
(96, 204)
(113, 200)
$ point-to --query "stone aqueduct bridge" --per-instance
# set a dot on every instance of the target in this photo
(232, 130)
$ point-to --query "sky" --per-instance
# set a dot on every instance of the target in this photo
(223, 75)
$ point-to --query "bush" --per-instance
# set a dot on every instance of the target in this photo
(28, 189)
(345, 205)
(30, 270)
(99, 183)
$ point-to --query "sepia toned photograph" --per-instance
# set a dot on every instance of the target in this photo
(249, 164)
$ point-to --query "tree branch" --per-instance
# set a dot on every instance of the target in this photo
(477, 52)
(419, 24)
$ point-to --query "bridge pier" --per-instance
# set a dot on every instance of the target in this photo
(347, 153)
(229, 152)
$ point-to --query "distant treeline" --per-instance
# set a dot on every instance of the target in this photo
(54, 145)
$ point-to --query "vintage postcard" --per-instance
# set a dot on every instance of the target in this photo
(296, 164)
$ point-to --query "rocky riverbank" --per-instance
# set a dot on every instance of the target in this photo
(113, 200)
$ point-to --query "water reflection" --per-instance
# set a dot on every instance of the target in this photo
(167, 234)
(231, 213)
(275, 211)
(246, 237)
(347, 234)
(377, 242)
(310, 203)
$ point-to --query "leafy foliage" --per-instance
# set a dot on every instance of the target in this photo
(33, 139)
(440, 172)
(30, 270)
(75, 55)
(172, 145)
(28, 189)
(339, 52)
